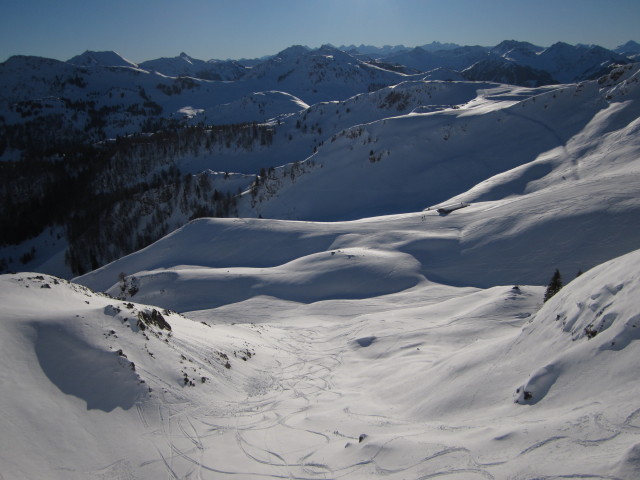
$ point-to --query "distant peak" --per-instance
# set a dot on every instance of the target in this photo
(630, 47)
(29, 60)
(293, 51)
(107, 58)
(561, 45)
(516, 44)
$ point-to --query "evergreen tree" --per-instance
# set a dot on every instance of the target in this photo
(554, 285)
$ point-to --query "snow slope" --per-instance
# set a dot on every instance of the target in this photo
(320, 75)
(410, 161)
(299, 135)
(105, 101)
(428, 381)
(412, 345)
(567, 200)
(88, 382)
(570, 63)
(184, 65)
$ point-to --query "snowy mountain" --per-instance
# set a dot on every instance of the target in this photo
(424, 60)
(103, 59)
(184, 65)
(62, 103)
(506, 71)
(99, 95)
(571, 63)
(554, 192)
(560, 63)
(473, 133)
(329, 147)
(372, 50)
(516, 51)
(324, 269)
(324, 74)
(630, 49)
(387, 50)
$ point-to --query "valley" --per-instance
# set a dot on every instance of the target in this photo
(214, 270)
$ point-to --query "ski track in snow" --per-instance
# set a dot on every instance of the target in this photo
(407, 385)
(303, 381)
(307, 364)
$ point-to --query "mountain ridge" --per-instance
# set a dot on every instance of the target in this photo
(287, 111)
(300, 281)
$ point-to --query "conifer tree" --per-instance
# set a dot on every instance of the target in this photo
(554, 285)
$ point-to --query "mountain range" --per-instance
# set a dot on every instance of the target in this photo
(328, 263)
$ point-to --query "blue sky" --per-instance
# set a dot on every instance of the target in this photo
(146, 29)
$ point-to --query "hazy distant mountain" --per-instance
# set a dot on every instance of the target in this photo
(373, 51)
(184, 65)
(498, 69)
(516, 51)
(103, 59)
(387, 50)
(456, 59)
(630, 49)
(438, 46)
(570, 63)
(324, 74)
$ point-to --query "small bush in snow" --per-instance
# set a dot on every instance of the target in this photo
(555, 284)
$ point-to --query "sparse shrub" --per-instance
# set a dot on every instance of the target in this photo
(555, 285)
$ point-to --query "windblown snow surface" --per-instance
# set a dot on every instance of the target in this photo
(407, 346)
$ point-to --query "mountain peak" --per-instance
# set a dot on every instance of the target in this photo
(293, 51)
(104, 59)
(507, 46)
(29, 60)
(186, 58)
(629, 48)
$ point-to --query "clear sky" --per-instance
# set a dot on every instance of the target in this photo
(145, 29)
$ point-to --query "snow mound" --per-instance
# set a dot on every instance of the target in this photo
(342, 273)
(96, 372)
(590, 327)
(103, 379)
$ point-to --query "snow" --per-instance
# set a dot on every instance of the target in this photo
(44, 253)
(426, 381)
(391, 341)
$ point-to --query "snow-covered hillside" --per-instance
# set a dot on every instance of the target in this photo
(398, 149)
(101, 102)
(321, 75)
(366, 170)
(97, 95)
(399, 379)
(105, 59)
(184, 65)
(374, 308)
